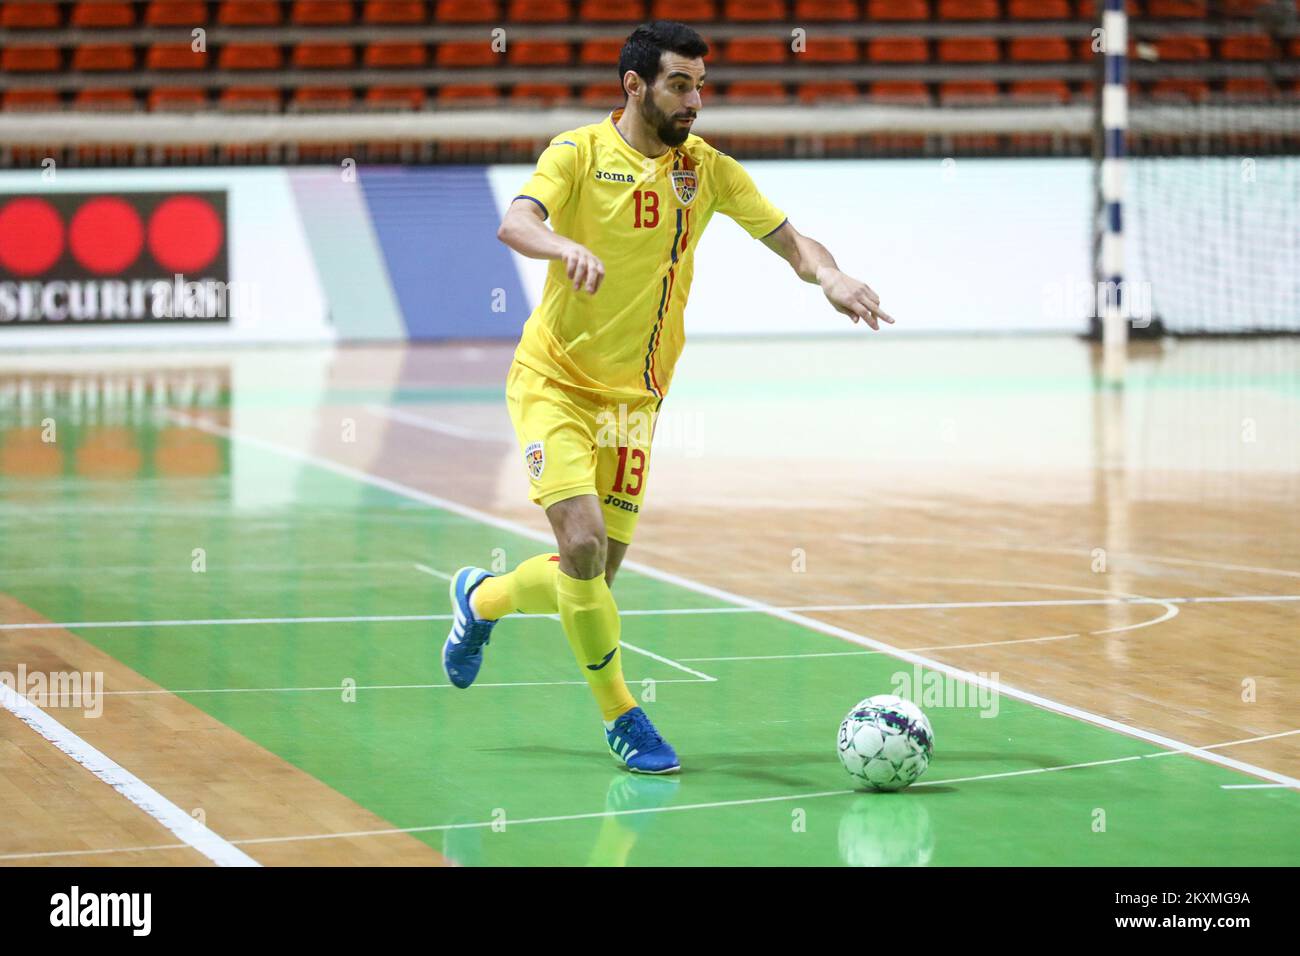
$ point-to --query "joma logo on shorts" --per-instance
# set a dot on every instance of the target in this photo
(614, 177)
(620, 503)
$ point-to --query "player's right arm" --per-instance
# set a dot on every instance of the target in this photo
(551, 187)
(524, 230)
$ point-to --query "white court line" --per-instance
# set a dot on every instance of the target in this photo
(336, 688)
(195, 834)
(1076, 552)
(428, 570)
(564, 818)
(482, 517)
(441, 428)
(1253, 786)
(658, 612)
(1233, 743)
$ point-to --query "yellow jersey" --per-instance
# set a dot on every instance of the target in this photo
(642, 217)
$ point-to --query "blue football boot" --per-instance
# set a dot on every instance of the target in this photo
(462, 654)
(635, 743)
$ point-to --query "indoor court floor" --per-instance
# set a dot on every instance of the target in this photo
(1093, 592)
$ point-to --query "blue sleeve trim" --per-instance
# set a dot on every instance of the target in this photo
(545, 212)
(566, 142)
(783, 222)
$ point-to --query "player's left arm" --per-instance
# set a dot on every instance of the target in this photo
(813, 262)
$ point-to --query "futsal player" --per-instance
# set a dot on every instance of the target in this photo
(627, 199)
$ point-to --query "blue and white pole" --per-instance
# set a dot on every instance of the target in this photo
(1114, 121)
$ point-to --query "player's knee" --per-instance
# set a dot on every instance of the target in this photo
(585, 551)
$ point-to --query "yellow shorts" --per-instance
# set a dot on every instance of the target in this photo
(573, 445)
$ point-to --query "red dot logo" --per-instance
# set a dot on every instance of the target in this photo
(185, 234)
(31, 236)
(106, 235)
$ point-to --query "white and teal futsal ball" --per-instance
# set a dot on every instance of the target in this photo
(886, 742)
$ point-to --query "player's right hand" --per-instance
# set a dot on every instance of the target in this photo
(586, 271)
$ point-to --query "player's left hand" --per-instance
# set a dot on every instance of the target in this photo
(854, 298)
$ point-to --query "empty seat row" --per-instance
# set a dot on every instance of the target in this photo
(953, 92)
(108, 57)
(46, 14)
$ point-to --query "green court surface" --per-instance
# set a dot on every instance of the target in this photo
(514, 770)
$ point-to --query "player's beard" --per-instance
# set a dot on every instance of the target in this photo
(665, 126)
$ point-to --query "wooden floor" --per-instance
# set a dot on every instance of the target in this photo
(1127, 554)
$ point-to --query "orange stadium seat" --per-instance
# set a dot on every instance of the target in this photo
(1177, 8)
(1038, 9)
(1240, 8)
(1040, 91)
(545, 93)
(467, 11)
(755, 91)
(828, 91)
(1248, 88)
(468, 94)
(968, 50)
(249, 13)
(539, 53)
(823, 49)
(175, 99)
(394, 11)
(38, 15)
(824, 10)
(898, 50)
(1179, 89)
(395, 97)
(107, 100)
(465, 53)
(967, 91)
(600, 53)
(321, 98)
(898, 10)
(604, 96)
(250, 56)
(1183, 48)
(1255, 46)
(684, 10)
(321, 13)
(324, 56)
(612, 11)
(103, 15)
(176, 13)
(753, 10)
(538, 11)
(387, 55)
(1039, 49)
(250, 99)
(31, 59)
(899, 91)
(967, 10)
(174, 56)
(41, 101)
(103, 57)
(754, 50)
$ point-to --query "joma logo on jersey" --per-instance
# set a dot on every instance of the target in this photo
(601, 175)
(620, 503)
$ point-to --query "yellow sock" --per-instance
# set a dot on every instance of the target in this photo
(529, 588)
(592, 626)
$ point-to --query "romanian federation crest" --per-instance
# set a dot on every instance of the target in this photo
(685, 184)
(535, 457)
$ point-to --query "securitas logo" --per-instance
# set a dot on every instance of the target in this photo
(604, 177)
(76, 258)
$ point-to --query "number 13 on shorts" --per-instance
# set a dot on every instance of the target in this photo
(620, 478)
